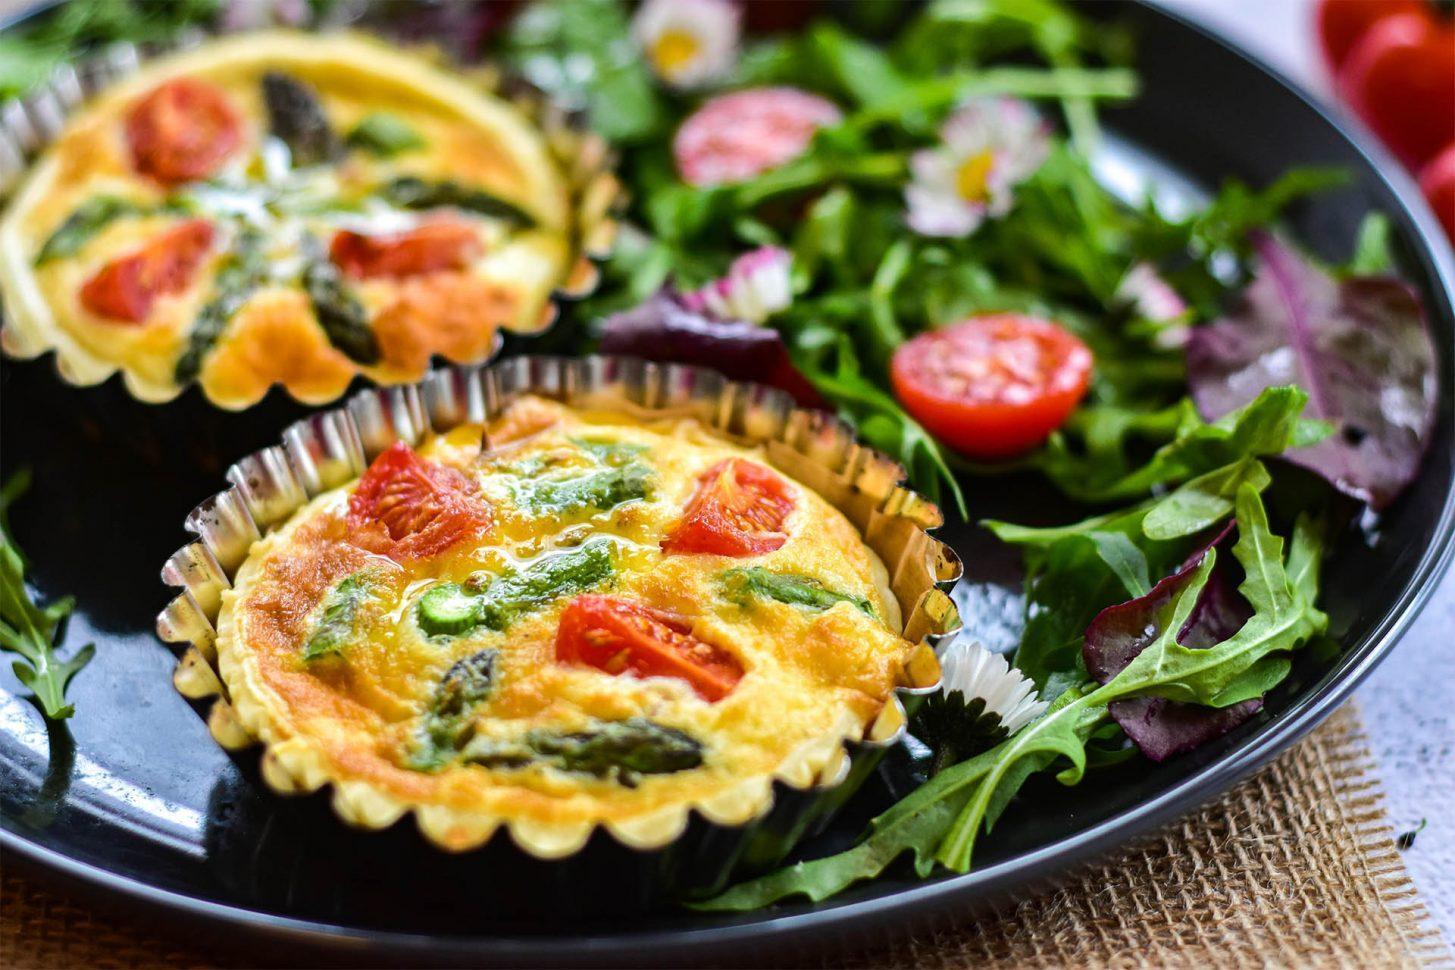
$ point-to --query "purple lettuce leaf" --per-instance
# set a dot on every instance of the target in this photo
(1359, 346)
(1163, 728)
(1159, 727)
(662, 328)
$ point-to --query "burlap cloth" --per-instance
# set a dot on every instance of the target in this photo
(1295, 867)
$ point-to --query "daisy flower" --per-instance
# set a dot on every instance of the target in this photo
(988, 147)
(982, 699)
(688, 42)
(756, 286)
(973, 672)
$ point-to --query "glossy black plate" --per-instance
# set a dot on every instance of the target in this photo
(134, 802)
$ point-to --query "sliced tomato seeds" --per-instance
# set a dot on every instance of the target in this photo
(621, 637)
(740, 508)
(183, 131)
(442, 244)
(126, 288)
(420, 508)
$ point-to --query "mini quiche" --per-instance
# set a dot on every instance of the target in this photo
(592, 621)
(283, 208)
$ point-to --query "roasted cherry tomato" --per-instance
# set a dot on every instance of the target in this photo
(442, 244)
(1343, 22)
(622, 637)
(740, 508)
(422, 507)
(1400, 78)
(1437, 181)
(734, 137)
(992, 386)
(125, 288)
(183, 131)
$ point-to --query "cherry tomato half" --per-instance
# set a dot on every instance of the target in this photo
(992, 386)
(1437, 181)
(1400, 78)
(420, 508)
(1342, 23)
(183, 131)
(740, 508)
(622, 637)
(442, 244)
(125, 288)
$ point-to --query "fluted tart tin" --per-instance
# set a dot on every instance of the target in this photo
(707, 843)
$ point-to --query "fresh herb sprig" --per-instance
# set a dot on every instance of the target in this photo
(30, 630)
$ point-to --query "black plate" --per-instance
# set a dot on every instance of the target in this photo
(135, 801)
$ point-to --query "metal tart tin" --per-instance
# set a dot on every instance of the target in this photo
(30, 124)
(332, 448)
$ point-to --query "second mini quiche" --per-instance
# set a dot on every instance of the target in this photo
(283, 208)
(596, 621)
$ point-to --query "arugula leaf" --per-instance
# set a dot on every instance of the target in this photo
(30, 630)
(1096, 469)
(582, 53)
(1284, 618)
(29, 58)
(1372, 256)
(884, 424)
(941, 821)
(914, 824)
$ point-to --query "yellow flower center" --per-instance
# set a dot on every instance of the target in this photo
(673, 50)
(972, 178)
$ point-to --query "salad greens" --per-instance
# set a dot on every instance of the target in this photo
(940, 822)
(1159, 620)
(29, 630)
(1360, 346)
(862, 284)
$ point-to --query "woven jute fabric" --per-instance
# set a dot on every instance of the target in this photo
(1295, 867)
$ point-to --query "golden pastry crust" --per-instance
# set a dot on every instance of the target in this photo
(812, 677)
(466, 138)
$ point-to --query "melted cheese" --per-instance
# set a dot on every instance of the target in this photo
(811, 677)
(470, 138)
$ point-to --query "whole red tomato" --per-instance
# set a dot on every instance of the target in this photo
(1400, 78)
(1342, 23)
(1437, 181)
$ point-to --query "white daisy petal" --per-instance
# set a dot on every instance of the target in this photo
(974, 671)
(688, 42)
(987, 147)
